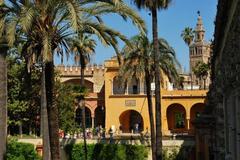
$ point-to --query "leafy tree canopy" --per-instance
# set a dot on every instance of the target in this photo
(201, 69)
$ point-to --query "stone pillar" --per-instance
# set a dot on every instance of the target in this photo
(93, 121)
(141, 86)
(188, 123)
(111, 81)
(126, 91)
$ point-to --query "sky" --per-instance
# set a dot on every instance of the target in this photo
(171, 22)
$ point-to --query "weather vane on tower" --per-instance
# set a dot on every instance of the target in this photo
(198, 12)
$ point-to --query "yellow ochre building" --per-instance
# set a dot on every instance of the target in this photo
(112, 106)
(128, 107)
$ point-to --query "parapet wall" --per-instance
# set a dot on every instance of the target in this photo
(92, 73)
(76, 70)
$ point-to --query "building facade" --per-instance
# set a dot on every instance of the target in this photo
(126, 107)
(112, 106)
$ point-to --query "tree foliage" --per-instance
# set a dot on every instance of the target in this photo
(23, 100)
(201, 69)
(46, 27)
(187, 35)
(66, 104)
(139, 57)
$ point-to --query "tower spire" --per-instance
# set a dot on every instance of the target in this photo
(199, 30)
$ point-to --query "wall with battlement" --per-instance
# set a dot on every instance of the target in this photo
(92, 73)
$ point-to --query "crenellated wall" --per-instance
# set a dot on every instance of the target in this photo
(92, 73)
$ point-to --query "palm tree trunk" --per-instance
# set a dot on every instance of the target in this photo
(44, 118)
(83, 107)
(157, 85)
(3, 102)
(204, 84)
(52, 111)
(150, 112)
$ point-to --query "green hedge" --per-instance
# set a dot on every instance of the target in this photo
(108, 152)
(21, 151)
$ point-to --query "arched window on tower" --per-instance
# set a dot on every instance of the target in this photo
(195, 50)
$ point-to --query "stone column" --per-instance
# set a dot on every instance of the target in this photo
(188, 124)
(92, 121)
(141, 82)
(111, 81)
(126, 91)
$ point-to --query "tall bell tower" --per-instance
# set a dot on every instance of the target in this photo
(199, 50)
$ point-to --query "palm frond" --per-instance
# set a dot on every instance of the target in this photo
(73, 9)
(121, 9)
(11, 30)
(26, 18)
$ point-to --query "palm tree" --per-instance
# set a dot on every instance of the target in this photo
(201, 71)
(135, 60)
(139, 62)
(153, 6)
(187, 35)
(46, 27)
(3, 97)
(82, 48)
(3, 85)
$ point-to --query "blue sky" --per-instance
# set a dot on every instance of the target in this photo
(171, 22)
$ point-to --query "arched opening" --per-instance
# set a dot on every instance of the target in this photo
(134, 86)
(88, 119)
(195, 112)
(118, 88)
(99, 116)
(131, 120)
(176, 118)
(76, 82)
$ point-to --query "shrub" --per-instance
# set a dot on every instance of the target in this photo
(136, 152)
(107, 152)
(78, 151)
(174, 154)
(21, 151)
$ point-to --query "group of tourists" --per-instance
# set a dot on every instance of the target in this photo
(100, 132)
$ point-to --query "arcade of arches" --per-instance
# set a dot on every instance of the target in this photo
(180, 118)
(94, 109)
(92, 120)
(132, 87)
(177, 121)
(177, 118)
